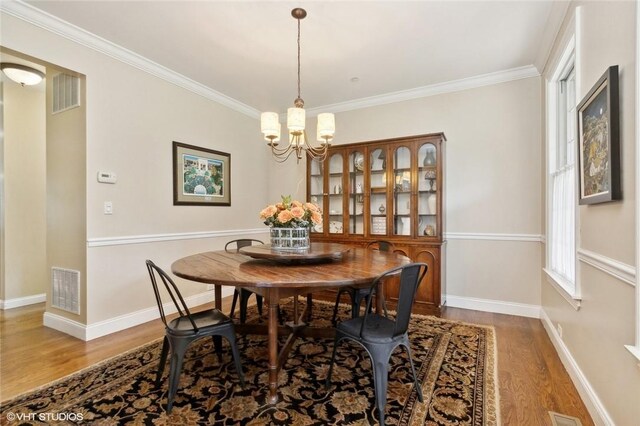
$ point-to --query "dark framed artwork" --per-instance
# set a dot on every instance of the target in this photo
(599, 142)
(201, 176)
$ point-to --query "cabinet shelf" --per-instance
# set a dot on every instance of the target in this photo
(379, 190)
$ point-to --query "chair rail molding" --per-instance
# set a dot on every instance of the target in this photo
(155, 238)
(528, 238)
(622, 271)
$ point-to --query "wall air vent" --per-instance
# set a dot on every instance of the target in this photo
(65, 289)
(558, 419)
(66, 92)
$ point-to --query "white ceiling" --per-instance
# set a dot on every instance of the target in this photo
(247, 49)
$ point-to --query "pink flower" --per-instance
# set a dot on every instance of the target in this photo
(311, 206)
(268, 212)
(316, 217)
(284, 216)
(296, 203)
(297, 212)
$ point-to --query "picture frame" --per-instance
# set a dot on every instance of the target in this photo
(201, 176)
(599, 142)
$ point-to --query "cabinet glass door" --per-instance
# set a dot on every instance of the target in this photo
(316, 188)
(356, 193)
(336, 225)
(402, 191)
(427, 190)
(378, 195)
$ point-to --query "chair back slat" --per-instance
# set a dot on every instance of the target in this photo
(411, 276)
(382, 245)
(239, 243)
(410, 279)
(172, 290)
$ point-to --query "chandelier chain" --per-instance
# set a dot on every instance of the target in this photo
(299, 58)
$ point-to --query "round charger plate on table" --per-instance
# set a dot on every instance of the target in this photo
(318, 252)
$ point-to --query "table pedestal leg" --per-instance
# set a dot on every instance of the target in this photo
(218, 296)
(272, 398)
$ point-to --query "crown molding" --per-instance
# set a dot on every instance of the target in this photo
(430, 90)
(65, 29)
(62, 28)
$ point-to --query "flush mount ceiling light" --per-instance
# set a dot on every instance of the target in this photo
(22, 74)
(270, 124)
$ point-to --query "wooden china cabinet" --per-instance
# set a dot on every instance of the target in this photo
(391, 190)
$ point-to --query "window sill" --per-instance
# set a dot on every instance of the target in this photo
(557, 282)
(635, 351)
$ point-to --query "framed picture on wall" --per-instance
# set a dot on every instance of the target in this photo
(599, 141)
(201, 176)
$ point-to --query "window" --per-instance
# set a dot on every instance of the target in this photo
(561, 174)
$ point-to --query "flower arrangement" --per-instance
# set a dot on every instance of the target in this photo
(291, 214)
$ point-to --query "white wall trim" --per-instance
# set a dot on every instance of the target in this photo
(622, 271)
(430, 90)
(141, 239)
(57, 26)
(22, 301)
(559, 284)
(154, 238)
(530, 238)
(595, 407)
(122, 322)
(635, 350)
(496, 306)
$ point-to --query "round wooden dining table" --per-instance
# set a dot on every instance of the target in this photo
(276, 280)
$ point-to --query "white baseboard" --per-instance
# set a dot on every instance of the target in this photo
(22, 301)
(595, 407)
(496, 306)
(122, 322)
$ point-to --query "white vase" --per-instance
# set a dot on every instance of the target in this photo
(431, 204)
(406, 226)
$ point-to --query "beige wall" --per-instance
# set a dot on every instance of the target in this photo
(67, 193)
(492, 179)
(132, 119)
(24, 159)
(595, 334)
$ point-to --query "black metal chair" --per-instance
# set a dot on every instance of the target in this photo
(243, 293)
(360, 294)
(187, 327)
(381, 335)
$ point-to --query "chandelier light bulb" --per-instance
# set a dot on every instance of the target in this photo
(326, 127)
(295, 120)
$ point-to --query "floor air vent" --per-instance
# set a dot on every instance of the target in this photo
(558, 419)
(66, 92)
(65, 289)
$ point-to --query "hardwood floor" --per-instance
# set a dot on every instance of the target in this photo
(531, 378)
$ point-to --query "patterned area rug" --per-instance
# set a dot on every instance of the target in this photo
(456, 365)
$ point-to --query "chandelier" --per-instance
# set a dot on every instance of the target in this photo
(298, 143)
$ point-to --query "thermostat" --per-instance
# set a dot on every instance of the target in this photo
(107, 177)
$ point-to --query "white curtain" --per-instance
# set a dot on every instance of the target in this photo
(562, 256)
